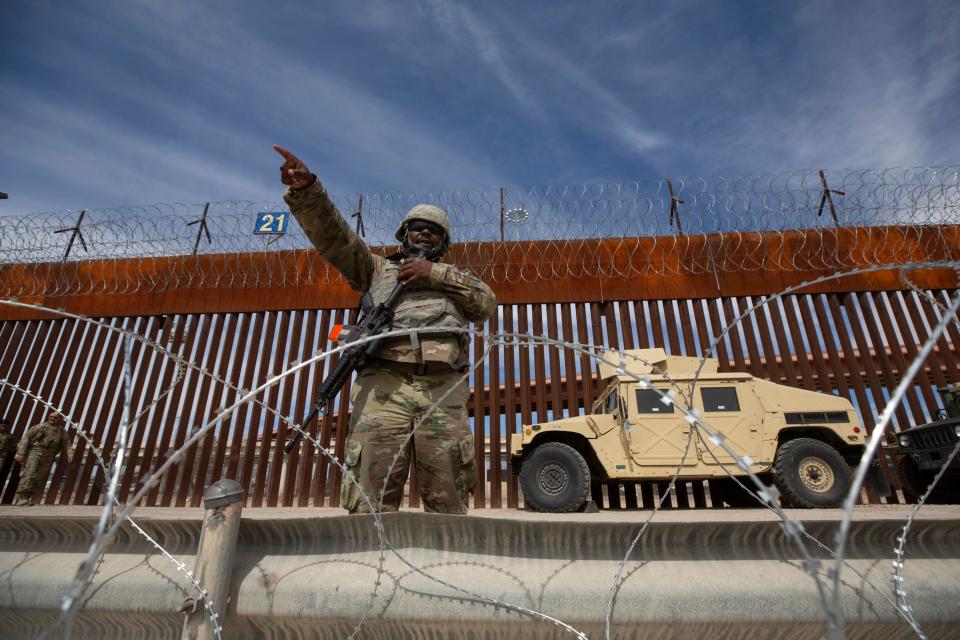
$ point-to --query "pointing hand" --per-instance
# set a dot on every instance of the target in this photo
(294, 172)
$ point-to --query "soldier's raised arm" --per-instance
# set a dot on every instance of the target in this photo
(330, 234)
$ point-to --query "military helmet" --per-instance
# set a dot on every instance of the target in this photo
(429, 213)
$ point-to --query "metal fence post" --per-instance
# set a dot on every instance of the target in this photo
(222, 501)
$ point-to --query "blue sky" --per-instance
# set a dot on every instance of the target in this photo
(107, 103)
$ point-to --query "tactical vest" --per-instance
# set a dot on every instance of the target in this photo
(49, 439)
(422, 307)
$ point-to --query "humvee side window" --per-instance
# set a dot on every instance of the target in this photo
(610, 406)
(719, 399)
(648, 401)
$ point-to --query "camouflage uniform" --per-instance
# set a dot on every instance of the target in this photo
(7, 443)
(410, 373)
(39, 447)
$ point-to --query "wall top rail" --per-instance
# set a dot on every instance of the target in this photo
(590, 270)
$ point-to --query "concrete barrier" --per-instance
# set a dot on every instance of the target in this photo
(708, 574)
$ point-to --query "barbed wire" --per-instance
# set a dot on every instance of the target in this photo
(516, 234)
(675, 396)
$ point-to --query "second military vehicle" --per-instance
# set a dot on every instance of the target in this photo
(806, 440)
(924, 449)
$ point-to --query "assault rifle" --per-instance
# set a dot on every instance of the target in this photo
(375, 321)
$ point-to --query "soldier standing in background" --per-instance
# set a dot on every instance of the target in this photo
(36, 453)
(7, 441)
(404, 383)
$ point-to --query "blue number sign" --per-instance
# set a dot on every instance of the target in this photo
(271, 222)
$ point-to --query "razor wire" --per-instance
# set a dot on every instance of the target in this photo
(791, 528)
(691, 226)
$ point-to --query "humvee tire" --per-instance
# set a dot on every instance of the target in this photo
(810, 474)
(915, 481)
(555, 478)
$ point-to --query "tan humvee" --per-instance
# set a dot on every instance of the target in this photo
(807, 440)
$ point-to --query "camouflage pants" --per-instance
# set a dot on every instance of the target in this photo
(387, 404)
(33, 473)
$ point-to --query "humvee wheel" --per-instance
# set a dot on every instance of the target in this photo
(914, 482)
(811, 473)
(555, 478)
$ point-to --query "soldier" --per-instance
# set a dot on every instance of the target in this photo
(403, 385)
(7, 441)
(39, 447)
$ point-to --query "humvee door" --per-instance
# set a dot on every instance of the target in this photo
(730, 408)
(658, 433)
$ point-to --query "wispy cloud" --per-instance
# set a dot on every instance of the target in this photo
(136, 101)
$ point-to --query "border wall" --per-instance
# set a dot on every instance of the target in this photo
(851, 330)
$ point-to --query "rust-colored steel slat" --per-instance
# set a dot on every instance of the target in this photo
(49, 383)
(555, 376)
(586, 363)
(196, 415)
(322, 428)
(268, 419)
(928, 318)
(733, 334)
(686, 326)
(850, 360)
(479, 442)
(11, 334)
(905, 322)
(774, 312)
(817, 335)
(800, 342)
(298, 484)
(181, 345)
(716, 325)
(643, 324)
(523, 363)
(890, 375)
(252, 420)
(574, 399)
(952, 333)
(149, 380)
(830, 342)
(933, 366)
(169, 386)
(145, 379)
(85, 392)
(195, 345)
(20, 371)
(857, 321)
(110, 407)
(857, 376)
(510, 415)
(221, 339)
(493, 409)
(325, 467)
(229, 431)
(245, 437)
(24, 368)
(539, 365)
(281, 398)
(746, 325)
(283, 468)
(627, 325)
(342, 426)
(673, 336)
(885, 334)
